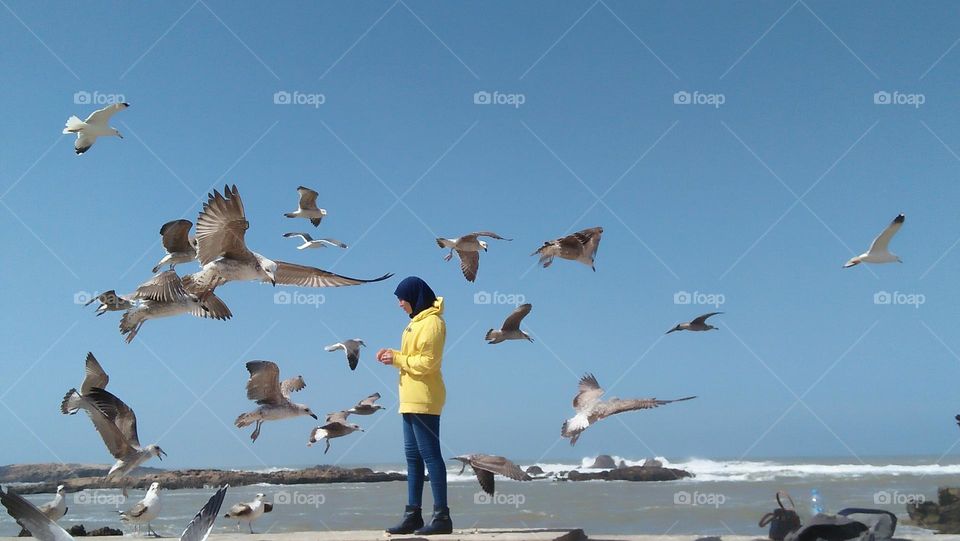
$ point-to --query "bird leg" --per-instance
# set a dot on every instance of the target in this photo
(251, 526)
(254, 436)
(449, 256)
(327, 448)
(150, 529)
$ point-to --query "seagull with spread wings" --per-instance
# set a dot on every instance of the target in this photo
(510, 330)
(224, 256)
(272, 395)
(484, 466)
(310, 242)
(164, 296)
(93, 377)
(307, 207)
(336, 427)
(878, 252)
(580, 246)
(179, 245)
(590, 409)
(468, 248)
(351, 348)
(367, 406)
(96, 125)
(697, 324)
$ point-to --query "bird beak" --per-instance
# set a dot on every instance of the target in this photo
(314, 415)
(273, 282)
(120, 135)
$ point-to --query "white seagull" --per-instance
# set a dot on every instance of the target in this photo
(164, 296)
(145, 510)
(580, 246)
(273, 396)
(94, 126)
(224, 255)
(310, 242)
(468, 248)
(249, 512)
(510, 330)
(94, 377)
(351, 348)
(590, 409)
(307, 207)
(180, 246)
(878, 252)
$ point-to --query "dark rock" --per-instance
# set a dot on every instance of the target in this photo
(604, 462)
(535, 470)
(77, 530)
(631, 473)
(943, 516)
(622, 464)
(652, 463)
(106, 530)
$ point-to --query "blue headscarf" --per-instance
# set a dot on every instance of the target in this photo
(415, 291)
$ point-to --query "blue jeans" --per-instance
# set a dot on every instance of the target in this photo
(421, 443)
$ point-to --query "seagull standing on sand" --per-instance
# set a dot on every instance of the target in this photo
(249, 512)
(145, 510)
(590, 409)
(878, 252)
(351, 348)
(310, 242)
(53, 510)
(180, 246)
(367, 406)
(224, 256)
(164, 296)
(44, 529)
(580, 246)
(698, 324)
(265, 388)
(484, 466)
(510, 330)
(336, 427)
(94, 126)
(94, 377)
(468, 248)
(110, 302)
(307, 207)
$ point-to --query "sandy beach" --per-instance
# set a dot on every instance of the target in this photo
(515, 534)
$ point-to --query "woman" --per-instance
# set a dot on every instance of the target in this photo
(422, 395)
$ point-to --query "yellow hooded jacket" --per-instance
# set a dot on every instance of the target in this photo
(419, 359)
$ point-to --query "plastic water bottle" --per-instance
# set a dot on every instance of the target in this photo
(816, 502)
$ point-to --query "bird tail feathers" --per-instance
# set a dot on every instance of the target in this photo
(73, 125)
(71, 402)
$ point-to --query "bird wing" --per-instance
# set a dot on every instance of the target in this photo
(215, 308)
(292, 274)
(703, 319)
(94, 375)
(84, 142)
(102, 116)
(499, 464)
(264, 383)
(490, 234)
(880, 243)
(512, 323)
(368, 401)
(308, 198)
(335, 347)
(137, 510)
(333, 242)
(163, 287)
(305, 236)
(199, 528)
(221, 226)
(469, 263)
(590, 392)
(486, 479)
(120, 414)
(337, 417)
(353, 354)
(175, 236)
(239, 509)
(113, 438)
(28, 516)
(616, 405)
(292, 385)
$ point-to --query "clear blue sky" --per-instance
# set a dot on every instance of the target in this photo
(694, 198)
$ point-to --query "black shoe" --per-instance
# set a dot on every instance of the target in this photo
(412, 520)
(441, 523)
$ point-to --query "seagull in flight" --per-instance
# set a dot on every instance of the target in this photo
(580, 246)
(310, 242)
(484, 466)
(272, 395)
(307, 207)
(468, 248)
(180, 246)
(698, 324)
(878, 252)
(510, 330)
(351, 348)
(96, 125)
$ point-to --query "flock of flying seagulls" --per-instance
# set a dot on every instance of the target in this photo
(220, 250)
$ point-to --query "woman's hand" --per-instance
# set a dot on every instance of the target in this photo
(385, 356)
